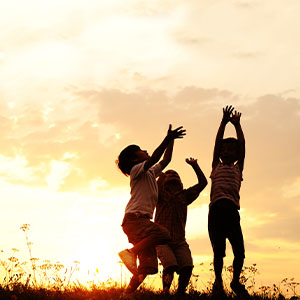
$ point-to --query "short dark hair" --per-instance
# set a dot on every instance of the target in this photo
(232, 140)
(125, 160)
(173, 171)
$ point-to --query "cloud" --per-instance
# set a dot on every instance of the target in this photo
(197, 216)
(283, 226)
(153, 8)
(272, 125)
(201, 246)
(16, 169)
(245, 4)
(59, 171)
(184, 43)
(292, 190)
(242, 54)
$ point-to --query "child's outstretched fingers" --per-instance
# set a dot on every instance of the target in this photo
(181, 132)
(227, 111)
(177, 133)
(191, 160)
(235, 119)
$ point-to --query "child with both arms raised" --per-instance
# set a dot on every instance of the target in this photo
(137, 225)
(224, 218)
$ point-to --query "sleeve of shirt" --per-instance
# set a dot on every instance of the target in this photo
(239, 171)
(213, 171)
(137, 170)
(156, 169)
(192, 194)
(242, 178)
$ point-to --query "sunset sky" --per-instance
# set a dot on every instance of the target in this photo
(80, 80)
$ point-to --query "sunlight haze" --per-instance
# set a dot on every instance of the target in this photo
(80, 80)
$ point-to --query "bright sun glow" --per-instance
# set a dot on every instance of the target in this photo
(99, 263)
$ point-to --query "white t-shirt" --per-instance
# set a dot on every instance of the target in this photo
(144, 190)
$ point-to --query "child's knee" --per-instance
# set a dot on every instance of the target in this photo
(170, 270)
(186, 270)
(164, 236)
(239, 254)
(239, 258)
(219, 256)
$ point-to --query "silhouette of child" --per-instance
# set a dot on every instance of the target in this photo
(141, 232)
(171, 212)
(224, 218)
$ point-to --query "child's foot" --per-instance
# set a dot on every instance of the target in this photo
(166, 291)
(218, 290)
(239, 288)
(129, 259)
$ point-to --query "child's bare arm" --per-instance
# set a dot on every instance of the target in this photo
(227, 111)
(202, 181)
(177, 133)
(167, 155)
(235, 120)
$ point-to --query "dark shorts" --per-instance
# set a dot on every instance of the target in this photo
(138, 227)
(224, 222)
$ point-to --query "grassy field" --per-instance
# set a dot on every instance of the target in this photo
(43, 280)
(111, 293)
(52, 281)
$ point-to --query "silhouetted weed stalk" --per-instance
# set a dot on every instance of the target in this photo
(36, 273)
(288, 286)
(45, 280)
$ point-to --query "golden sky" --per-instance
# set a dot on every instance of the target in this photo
(80, 80)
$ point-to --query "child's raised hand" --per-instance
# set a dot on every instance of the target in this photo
(191, 161)
(227, 111)
(235, 118)
(177, 133)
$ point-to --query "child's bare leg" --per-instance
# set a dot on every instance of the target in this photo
(134, 283)
(158, 236)
(148, 242)
(238, 263)
(184, 279)
(143, 244)
(218, 267)
(167, 278)
(235, 285)
(218, 288)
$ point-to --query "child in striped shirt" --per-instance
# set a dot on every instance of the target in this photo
(224, 218)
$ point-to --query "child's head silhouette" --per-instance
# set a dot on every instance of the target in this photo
(229, 150)
(129, 157)
(171, 177)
